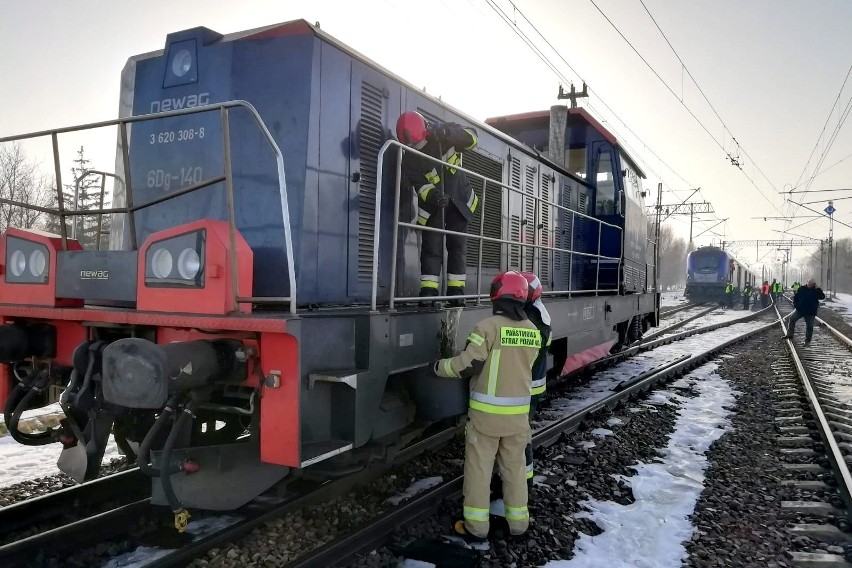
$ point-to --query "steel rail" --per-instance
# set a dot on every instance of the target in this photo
(682, 323)
(664, 313)
(18, 516)
(376, 534)
(833, 453)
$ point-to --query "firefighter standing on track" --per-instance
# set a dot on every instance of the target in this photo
(443, 194)
(498, 357)
(538, 314)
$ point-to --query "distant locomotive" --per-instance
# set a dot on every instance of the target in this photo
(710, 269)
(246, 325)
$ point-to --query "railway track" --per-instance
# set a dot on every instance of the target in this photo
(815, 427)
(371, 536)
(671, 311)
(76, 533)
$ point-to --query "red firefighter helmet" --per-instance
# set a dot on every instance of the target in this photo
(534, 286)
(509, 285)
(411, 128)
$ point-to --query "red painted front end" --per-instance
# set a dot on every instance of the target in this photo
(176, 315)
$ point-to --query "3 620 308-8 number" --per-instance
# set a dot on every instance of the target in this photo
(170, 136)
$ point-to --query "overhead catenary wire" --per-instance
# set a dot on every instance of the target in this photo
(692, 114)
(540, 54)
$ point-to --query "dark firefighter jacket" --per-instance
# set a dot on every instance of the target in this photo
(498, 357)
(427, 177)
(540, 317)
(806, 300)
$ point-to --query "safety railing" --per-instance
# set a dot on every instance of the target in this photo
(130, 208)
(481, 238)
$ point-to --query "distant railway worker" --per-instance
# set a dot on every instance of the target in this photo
(775, 288)
(538, 314)
(746, 296)
(443, 194)
(729, 296)
(795, 287)
(806, 302)
(764, 294)
(498, 357)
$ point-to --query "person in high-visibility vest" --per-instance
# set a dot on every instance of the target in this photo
(729, 295)
(498, 357)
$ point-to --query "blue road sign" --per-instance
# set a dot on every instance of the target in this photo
(830, 209)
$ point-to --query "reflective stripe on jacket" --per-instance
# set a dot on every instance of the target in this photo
(540, 317)
(498, 357)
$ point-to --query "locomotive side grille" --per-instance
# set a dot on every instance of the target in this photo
(515, 236)
(370, 140)
(493, 209)
(545, 211)
(529, 218)
(562, 240)
(515, 220)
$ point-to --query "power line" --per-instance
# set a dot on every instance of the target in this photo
(692, 114)
(512, 24)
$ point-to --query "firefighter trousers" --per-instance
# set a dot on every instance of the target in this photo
(479, 456)
(431, 255)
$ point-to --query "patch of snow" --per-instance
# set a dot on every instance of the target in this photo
(602, 432)
(415, 488)
(409, 563)
(651, 531)
(587, 444)
(614, 422)
(22, 463)
(673, 298)
(472, 545)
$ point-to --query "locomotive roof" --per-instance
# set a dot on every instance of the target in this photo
(577, 114)
(298, 27)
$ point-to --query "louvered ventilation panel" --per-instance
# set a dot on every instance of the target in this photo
(370, 140)
(493, 209)
(545, 214)
(529, 219)
(515, 220)
(562, 240)
(515, 236)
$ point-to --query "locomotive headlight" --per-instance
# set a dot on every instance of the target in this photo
(38, 263)
(26, 262)
(161, 263)
(161, 269)
(189, 264)
(182, 62)
(17, 264)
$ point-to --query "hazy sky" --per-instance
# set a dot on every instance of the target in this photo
(771, 69)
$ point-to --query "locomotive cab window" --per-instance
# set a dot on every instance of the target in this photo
(605, 197)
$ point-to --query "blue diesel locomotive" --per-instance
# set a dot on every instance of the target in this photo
(263, 267)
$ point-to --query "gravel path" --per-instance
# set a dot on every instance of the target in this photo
(738, 517)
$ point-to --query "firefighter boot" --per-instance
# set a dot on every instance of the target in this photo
(456, 291)
(426, 293)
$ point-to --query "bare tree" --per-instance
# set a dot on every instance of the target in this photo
(21, 181)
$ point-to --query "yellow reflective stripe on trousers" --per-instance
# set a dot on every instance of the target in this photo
(472, 201)
(493, 370)
(455, 283)
(428, 284)
(538, 389)
(529, 471)
(448, 368)
(517, 513)
(476, 339)
(520, 337)
(475, 514)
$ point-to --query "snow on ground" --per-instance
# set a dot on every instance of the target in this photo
(721, 315)
(670, 320)
(673, 298)
(842, 304)
(21, 463)
(415, 488)
(650, 532)
(603, 385)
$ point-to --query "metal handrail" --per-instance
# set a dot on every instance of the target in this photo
(130, 208)
(481, 238)
(77, 181)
